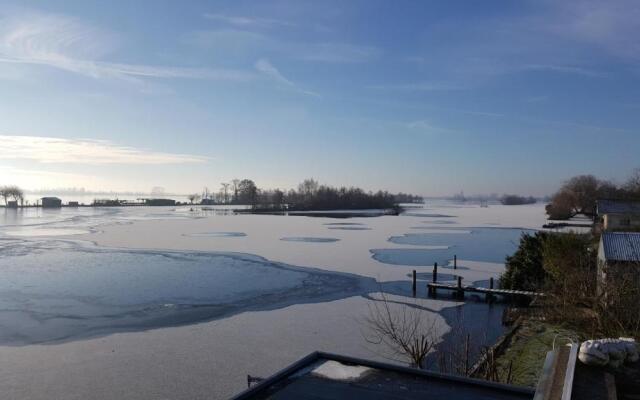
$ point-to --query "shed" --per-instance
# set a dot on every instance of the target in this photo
(12, 204)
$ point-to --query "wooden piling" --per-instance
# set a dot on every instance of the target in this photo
(460, 292)
(455, 261)
(489, 297)
(431, 292)
(413, 284)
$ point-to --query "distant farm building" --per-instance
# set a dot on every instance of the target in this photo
(51, 202)
(12, 204)
(618, 215)
(618, 262)
(73, 204)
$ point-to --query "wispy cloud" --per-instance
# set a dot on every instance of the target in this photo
(417, 86)
(265, 67)
(67, 44)
(247, 21)
(338, 53)
(85, 151)
(244, 41)
(566, 69)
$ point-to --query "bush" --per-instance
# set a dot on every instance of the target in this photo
(524, 269)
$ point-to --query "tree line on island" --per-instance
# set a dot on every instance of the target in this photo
(310, 195)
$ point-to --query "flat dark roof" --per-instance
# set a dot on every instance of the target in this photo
(321, 376)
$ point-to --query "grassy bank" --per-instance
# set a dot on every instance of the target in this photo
(528, 348)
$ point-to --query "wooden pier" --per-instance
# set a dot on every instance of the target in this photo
(460, 289)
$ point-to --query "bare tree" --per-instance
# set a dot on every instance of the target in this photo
(408, 331)
(11, 192)
(193, 198)
(225, 191)
(235, 183)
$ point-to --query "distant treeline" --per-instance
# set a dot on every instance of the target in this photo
(514, 200)
(310, 195)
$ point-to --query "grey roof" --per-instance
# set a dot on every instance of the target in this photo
(372, 380)
(618, 207)
(621, 246)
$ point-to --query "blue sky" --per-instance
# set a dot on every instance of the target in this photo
(429, 97)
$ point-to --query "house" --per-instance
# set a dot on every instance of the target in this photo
(618, 261)
(73, 204)
(324, 376)
(51, 202)
(618, 214)
(12, 204)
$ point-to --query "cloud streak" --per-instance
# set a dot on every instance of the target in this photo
(66, 44)
(265, 67)
(49, 150)
(245, 21)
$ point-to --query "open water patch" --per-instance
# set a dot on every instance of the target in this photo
(306, 239)
(482, 244)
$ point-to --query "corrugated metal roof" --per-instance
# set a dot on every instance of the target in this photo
(618, 207)
(621, 246)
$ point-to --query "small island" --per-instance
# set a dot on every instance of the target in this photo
(310, 197)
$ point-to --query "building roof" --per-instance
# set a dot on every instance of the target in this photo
(618, 207)
(321, 376)
(621, 246)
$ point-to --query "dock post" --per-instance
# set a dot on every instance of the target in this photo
(435, 272)
(460, 292)
(455, 261)
(413, 284)
(489, 296)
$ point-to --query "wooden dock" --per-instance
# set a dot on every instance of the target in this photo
(459, 289)
(432, 286)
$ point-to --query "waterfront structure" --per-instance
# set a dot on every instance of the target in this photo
(618, 261)
(51, 202)
(159, 202)
(12, 204)
(618, 215)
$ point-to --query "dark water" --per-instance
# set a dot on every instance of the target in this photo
(310, 239)
(216, 234)
(481, 244)
(57, 290)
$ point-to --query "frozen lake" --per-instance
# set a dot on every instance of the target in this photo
(224, 295)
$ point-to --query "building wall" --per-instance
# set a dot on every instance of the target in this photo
(621, 221)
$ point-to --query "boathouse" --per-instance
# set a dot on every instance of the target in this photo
(51, 202)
